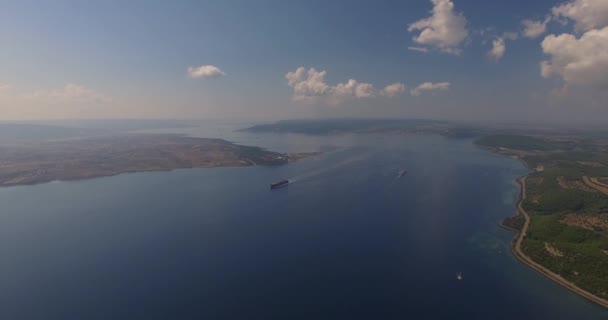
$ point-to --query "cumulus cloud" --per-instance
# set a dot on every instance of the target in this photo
(587, 14)
(393, 90)
(205, 72)
(354, 88)
(533, 29)
(498, 49)
(309, 86)
(444, 29)
(429, 86)
(579, 62)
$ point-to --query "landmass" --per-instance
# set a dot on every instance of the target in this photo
(295, 156)
(451, 129)
(112, 155)
(339, 126)
(562, 220)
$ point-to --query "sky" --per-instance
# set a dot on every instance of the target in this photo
(500, 60)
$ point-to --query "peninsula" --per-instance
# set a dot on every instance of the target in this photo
(76, 159)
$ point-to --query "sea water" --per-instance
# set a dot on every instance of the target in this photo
(347, 239)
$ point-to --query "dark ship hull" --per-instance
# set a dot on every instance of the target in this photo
(279, 184)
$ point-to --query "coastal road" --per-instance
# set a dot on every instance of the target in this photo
(521, 256)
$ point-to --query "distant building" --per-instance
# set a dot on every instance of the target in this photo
(540, 168)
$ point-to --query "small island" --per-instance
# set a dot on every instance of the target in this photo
(77, 159)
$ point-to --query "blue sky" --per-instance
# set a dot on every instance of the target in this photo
(114, 59)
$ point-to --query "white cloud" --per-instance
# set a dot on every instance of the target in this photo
(498, 49)
(393, 90)
(444, 29)
(429, 86)
(533, 29)
(205, 72)
(579, 62)
(310, 86)
(354, 88)
(419, 49)
(587, 14)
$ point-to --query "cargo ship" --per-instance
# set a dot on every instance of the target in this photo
(279, 184)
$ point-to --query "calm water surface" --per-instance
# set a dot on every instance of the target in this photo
(347, 240)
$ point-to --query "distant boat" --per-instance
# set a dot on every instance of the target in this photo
(402, 173)
(459, 276)
(279, 184)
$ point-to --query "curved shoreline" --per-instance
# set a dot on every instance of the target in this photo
(523, 258)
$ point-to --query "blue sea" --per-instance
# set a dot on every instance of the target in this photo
(346, 240)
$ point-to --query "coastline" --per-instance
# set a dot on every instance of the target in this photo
(292, 157)
(523, 258)
(129, 153)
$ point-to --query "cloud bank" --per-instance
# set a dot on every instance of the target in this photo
(310, 86)
(70, 101)
(70, 93)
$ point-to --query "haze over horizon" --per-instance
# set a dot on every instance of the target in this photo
(543, 62)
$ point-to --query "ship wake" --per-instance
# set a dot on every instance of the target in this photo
(321, 172)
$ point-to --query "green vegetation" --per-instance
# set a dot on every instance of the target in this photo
(567, 232)
(582, 259)
(579, 163)
(549, 197)
(515, 222)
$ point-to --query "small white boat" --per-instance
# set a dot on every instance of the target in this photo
(459, 276)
